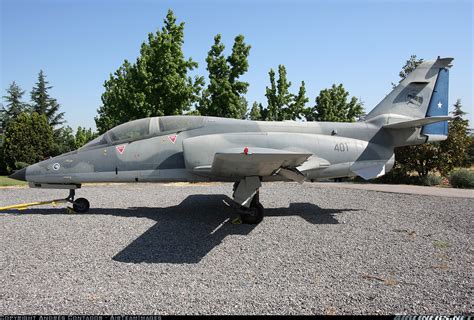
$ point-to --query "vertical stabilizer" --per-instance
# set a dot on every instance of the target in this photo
(417, 96)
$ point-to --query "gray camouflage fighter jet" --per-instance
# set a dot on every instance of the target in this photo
(195, 148)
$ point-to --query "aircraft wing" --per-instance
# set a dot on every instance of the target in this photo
(238, 162)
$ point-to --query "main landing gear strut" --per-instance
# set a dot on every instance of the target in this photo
(247, 196)
(80, 205)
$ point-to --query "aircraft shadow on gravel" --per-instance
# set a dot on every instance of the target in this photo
(186, 233)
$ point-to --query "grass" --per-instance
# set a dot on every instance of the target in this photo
(441, 244)
(7, 182)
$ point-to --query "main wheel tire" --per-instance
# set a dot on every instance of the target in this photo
(253, 215)
(81, 205)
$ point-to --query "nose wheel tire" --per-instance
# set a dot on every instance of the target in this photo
(81, 205)
(253, 215)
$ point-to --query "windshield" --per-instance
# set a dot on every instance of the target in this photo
(100, 140)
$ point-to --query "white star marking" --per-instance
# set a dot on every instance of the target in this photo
(440, 105)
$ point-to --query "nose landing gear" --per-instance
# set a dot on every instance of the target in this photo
(80, 205)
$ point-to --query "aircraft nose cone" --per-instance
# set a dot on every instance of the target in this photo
(19, 175)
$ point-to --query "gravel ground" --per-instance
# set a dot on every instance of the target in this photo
(171, 249)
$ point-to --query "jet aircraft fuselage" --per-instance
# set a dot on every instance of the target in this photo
(196, 148)
(185, 150)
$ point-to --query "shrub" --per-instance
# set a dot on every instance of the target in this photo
(20, 165)
(27, 139)
(430, 180)
(462, 178)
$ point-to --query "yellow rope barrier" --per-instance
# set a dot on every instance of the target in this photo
(24, 206)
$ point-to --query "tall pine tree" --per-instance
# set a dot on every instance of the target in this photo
(43, 103)
(14, 104)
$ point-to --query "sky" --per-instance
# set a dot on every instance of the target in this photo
(362, 44)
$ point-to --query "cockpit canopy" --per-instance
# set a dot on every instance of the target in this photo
(146, 128)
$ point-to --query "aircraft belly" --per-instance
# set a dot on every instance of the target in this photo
(333, 171)
(170, 175)
(166, 175)
(75, 177)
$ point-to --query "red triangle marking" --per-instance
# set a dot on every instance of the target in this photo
(121, 148)
(172, 138)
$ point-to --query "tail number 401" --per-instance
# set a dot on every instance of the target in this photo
(341, 147)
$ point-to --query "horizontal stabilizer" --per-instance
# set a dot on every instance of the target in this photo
(416, 123)
(237, 162)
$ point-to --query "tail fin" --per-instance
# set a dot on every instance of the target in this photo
(423, 93)
(438, 107)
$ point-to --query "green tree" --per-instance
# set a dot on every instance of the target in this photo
(3, 166)
(83, 136)
(470, 151)
(224, 95)
(297, 108)
(256, 111)
(332, 105)
(14, 105)
(156, 84)
(28, 139)
(408, 67)
(278, 96)
(453, 152)
(281, 103)
(80, 137)
(43, 103)
(2, 117)
(422, 159)
(63, 141)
